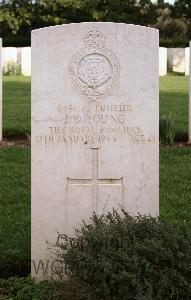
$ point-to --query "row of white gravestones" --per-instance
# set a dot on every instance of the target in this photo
(178, 59)
(20, 56)
(95, 116)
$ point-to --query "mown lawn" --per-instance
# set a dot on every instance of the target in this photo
(175, 184)
(16, 103)
(175, 201)
(14, 210)
(174, 97)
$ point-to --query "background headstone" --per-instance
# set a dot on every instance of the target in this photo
(170, 59)
(26, 61)
(1, 98)
(187, 61)
(95, 116)
(9, 55)
(176, 59)
(19, 50)
(162, 61)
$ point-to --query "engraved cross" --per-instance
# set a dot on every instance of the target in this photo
(95, 181)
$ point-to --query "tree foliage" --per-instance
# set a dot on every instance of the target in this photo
(19, 17)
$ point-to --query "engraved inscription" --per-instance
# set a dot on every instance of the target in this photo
(94, 70)
(102, 123)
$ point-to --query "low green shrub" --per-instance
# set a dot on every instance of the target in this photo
(116, 257)
(167, 129)
(26, 289)
(130, 258)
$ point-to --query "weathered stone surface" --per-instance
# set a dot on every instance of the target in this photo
(95, 116)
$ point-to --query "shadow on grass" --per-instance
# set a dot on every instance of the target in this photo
(175, 73)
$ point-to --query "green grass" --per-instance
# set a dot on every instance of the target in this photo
(14, 210)
(175, 200)
(175, 184)
(174, 98)
(16, 105)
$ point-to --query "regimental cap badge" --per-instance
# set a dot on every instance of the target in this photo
(94, 39)
(94, 70)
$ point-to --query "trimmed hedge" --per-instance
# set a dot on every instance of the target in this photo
(16, 41)
(177, 42)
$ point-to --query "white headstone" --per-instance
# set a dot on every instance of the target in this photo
(1, 98)
(9, 55)
(19, 55)
(170, 58)
(26, 61)
(187, 60)
(95, 115)
(162, 61)
(176, 59)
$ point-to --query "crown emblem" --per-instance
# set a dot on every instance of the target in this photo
(94, 39)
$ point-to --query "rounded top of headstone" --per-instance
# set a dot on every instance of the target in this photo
(96, 25)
